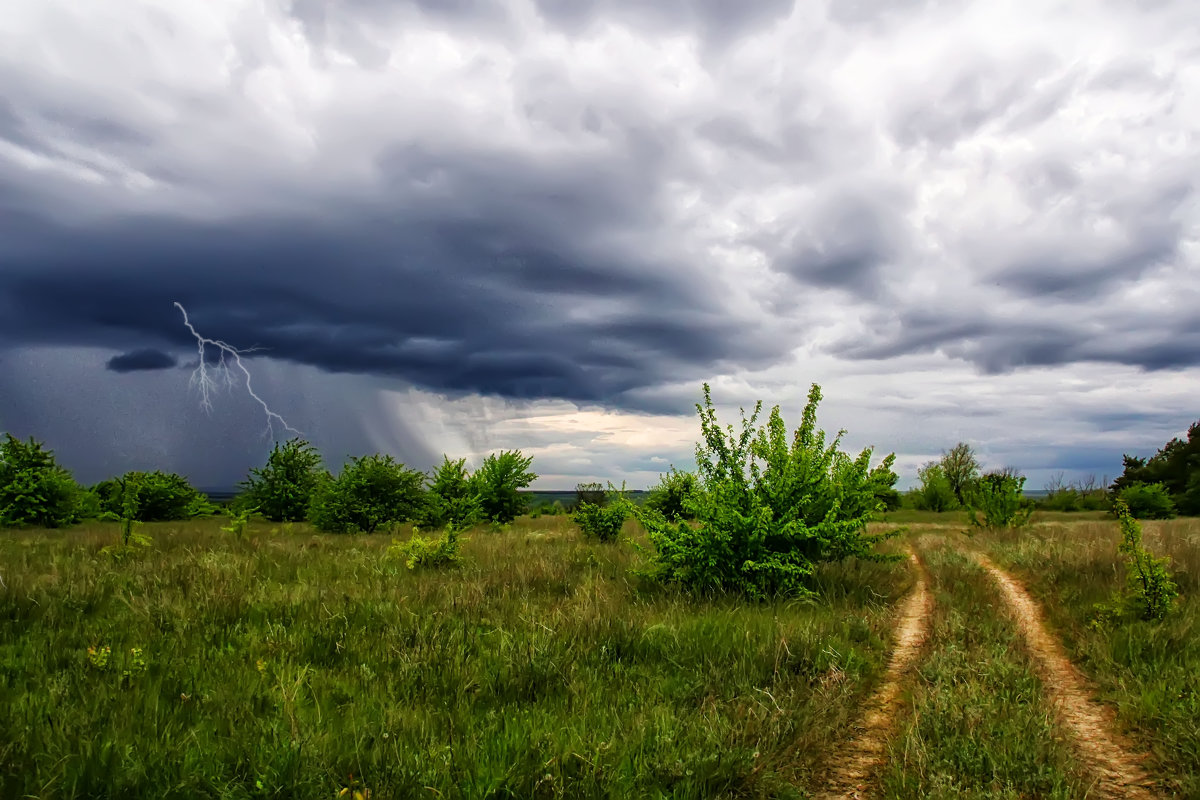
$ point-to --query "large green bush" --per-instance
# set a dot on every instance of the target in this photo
(34, 489)
(997, 501)
(282, 490)
(1147, 500)
(371, 491)
(1176, 466)
(498, 482)
(935, 493)
(672, 496)
(768, 507)
(152, 497)
(452, 500)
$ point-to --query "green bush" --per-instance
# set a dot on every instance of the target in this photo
(1176, 466)
(935, 492)
(589, 493)
(996, 501)
(1084, 495)
(422, 552)
(769, 507)
(451, 498)
(1150, 592)
(498, 482)
(152, 497)
(282, 490)
(34, 489)
(370, 492)
(603, 521)
(672, 496)
(1147, 500)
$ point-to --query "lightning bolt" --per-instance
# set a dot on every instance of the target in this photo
(206, 382)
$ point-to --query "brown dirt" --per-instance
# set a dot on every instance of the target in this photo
(848, 776)
(1118, 772)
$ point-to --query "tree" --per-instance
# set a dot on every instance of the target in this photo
(152, 497)
(961, 469)
(672, 496)
(589, 493)
(371, 491)
(769, 507)
(451, 499)
(34, 489)
(997, 501)
(1176, 466)
(498, 482)
(935, 492)
(1146, 500)
(283, 489)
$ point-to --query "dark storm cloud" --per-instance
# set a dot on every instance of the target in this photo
(141, 360)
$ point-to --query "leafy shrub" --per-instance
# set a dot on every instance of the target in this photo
(1176, 466)
(1150, 592)
(421, 552)
(603, 522)
(370, 491)
(590, 493)
(935, 492)
(239, 520)
(498, 482)
(1082, 495)
(451, 498)
(1147, 500)
(997, 502)
(282, 490)
(672, 496)
(152, 497)
(34, 489)
(769, 507)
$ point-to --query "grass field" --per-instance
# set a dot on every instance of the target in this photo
(291, 664)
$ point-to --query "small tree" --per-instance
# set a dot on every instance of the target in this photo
(935, 492)
(997, 501)
(769, 507)
(282, 490)
(34, 489)
(371, 491)
(672, 496)
(604, 521)
(1150, 592)
(451, 499)
(498, 482)
(1146, 500)
(961, 469)
(590, 493)
(153, 497)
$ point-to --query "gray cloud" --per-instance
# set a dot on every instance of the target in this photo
(141, 360)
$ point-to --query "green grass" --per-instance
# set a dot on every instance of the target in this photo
(979, 725)
(1147, 671)
(282, 664)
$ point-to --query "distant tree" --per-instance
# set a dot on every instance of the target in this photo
(283, 489)
(590, 493)
(1147, 500)
(997, 501)
(452, 499)
(34, 489)
(1176, 466)
(370, 492)
(498, 482)
(934, 492)
(961, 469)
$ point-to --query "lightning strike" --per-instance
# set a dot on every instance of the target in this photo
(204, 380)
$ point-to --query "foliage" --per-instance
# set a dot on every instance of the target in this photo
(997, 497)
(34, 489)
(498, 482)
(451, 498)
(419, 551)
(882, 480)
(1146, 500)
(1150, 591)
(589, 493)
(371, 491)
(554, 509)
(961, 469)
(1176, 466)
(239, 520)
(156, 496)
(1081, 495)
(935, 492)
(282, 490)
(604, 521)
(767, 510)
(673, 495)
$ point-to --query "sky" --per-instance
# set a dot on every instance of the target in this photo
(457, 226)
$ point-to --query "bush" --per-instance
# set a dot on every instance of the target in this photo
(421, 552)
(603, 521)
(498, 482)
(769, 507)
(1176, 466)
(997, 497)
(282, 490)
(1147, 500)
(152, 497)
(589, 493)
(451, 498)
(1150, 592)
(672, 496)
(1083, 495)
(34, 489)
(370, 491)
(935, 492)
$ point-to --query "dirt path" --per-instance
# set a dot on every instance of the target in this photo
(848, 776)
(1117, 770)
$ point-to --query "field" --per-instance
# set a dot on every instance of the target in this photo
(295, 664)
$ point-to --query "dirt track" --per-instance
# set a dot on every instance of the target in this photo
(1117, 770)
(849, 774)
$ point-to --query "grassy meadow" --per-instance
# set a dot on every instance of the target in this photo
(291, 664)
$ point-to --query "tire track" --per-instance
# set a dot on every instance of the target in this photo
(849, 774)
(1118, 772)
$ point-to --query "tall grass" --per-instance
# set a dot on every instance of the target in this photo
(284, 663)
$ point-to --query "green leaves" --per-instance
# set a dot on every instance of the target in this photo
(34, 490)
(283, 489)
(370, 492)
(498, 481)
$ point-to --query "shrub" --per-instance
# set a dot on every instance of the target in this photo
(421, 552)
(603, 521)
(498, 482)
(1150, 592)
(935, 492)
(672, 496)
(997, 502)
(1147, 500)
(1176, 466)
(370, 491)
(34, 489)
(1082, 495)
(590, 493)
(152, 497)
(451, 498)
(282, 490)
(769, 507)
